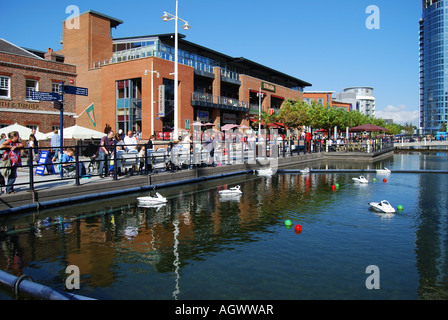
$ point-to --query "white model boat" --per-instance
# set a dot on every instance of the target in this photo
(383, 206)
(361, 179)
(156, 206)
(131, 232)
(305, 171)
(157, 199)
(231, 192)
(265, 172)
(383, 171)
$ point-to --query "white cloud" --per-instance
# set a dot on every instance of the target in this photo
(398, 114)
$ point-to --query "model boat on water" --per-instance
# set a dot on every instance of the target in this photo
(361, 179)
(157, 199)
(383, 171)
(131, 232)
(265, 172)
(305, 171)
(231, 192)
(383, 206)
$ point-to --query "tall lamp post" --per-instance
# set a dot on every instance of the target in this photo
(152, 71)
(260, 95)
(168, 17)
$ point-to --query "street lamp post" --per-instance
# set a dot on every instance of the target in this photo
(152, 71)
(260, 96)
(168, 17)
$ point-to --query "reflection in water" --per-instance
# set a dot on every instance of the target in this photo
(201, 246)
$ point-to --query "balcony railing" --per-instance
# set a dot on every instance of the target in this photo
(145, 52)
(211, 101)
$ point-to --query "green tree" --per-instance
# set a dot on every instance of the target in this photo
(294, 113)
(394, 128)
(409, 128)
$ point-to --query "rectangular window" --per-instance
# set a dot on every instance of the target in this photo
(5, 87)
(56, 87)
(123, 89)
(31, 85)
(32, 126)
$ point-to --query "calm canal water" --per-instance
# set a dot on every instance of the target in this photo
(200, 247)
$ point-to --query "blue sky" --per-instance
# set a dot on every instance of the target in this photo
(323, 42)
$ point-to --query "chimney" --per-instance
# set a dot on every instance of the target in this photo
(50, 55)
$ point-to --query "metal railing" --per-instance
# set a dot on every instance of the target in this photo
(365, 145)
(169, 156)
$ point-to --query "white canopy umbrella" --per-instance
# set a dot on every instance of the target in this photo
(24, 132)
(78, 132)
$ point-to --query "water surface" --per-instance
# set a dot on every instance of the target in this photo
(199, 246)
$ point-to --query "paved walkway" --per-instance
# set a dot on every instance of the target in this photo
(49, 181)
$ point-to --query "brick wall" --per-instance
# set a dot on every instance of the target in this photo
(25, 112)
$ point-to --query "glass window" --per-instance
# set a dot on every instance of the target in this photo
(56, 87)
(5, 88)
(33, 126)
(31, 85)
(123, 89)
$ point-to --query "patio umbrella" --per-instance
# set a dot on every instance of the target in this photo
(78, 132)
(24, 132)
(228, 127)
(209, 124)
(243, 127)
(368, 128)
(197, 123)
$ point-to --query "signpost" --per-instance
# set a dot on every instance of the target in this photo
(76, 90)
(58, 103)
(45, 96)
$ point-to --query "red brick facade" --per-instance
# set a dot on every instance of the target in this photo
(17, 108)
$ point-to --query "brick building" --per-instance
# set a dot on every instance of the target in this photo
(325, 98)
(123, 74)
(24, 70)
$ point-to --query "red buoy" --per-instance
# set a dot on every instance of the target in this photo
(333, 187)
(384, 180)
(298, 229)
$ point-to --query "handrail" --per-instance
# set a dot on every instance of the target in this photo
(236, 148)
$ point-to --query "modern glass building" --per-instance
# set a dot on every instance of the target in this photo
(433, 34)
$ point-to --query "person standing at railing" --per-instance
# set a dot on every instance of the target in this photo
(36, 142)
(2, 139)
(55, 145)
(150, 144)
(105, 152)
(209, 145)
(130, 142)
(31, 147)
(11, 159)
(308, 141)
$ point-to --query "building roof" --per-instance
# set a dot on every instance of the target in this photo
(8, 47)
(319, 92)
(113, 21)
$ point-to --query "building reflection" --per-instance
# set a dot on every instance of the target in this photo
(432, 236)
(196, 223)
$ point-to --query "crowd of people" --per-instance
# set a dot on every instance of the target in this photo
(114, 144)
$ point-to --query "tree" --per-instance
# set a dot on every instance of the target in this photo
(394, 128)
(409, 129)
(294, 113)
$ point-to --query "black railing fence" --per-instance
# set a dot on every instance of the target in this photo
(87, 160)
